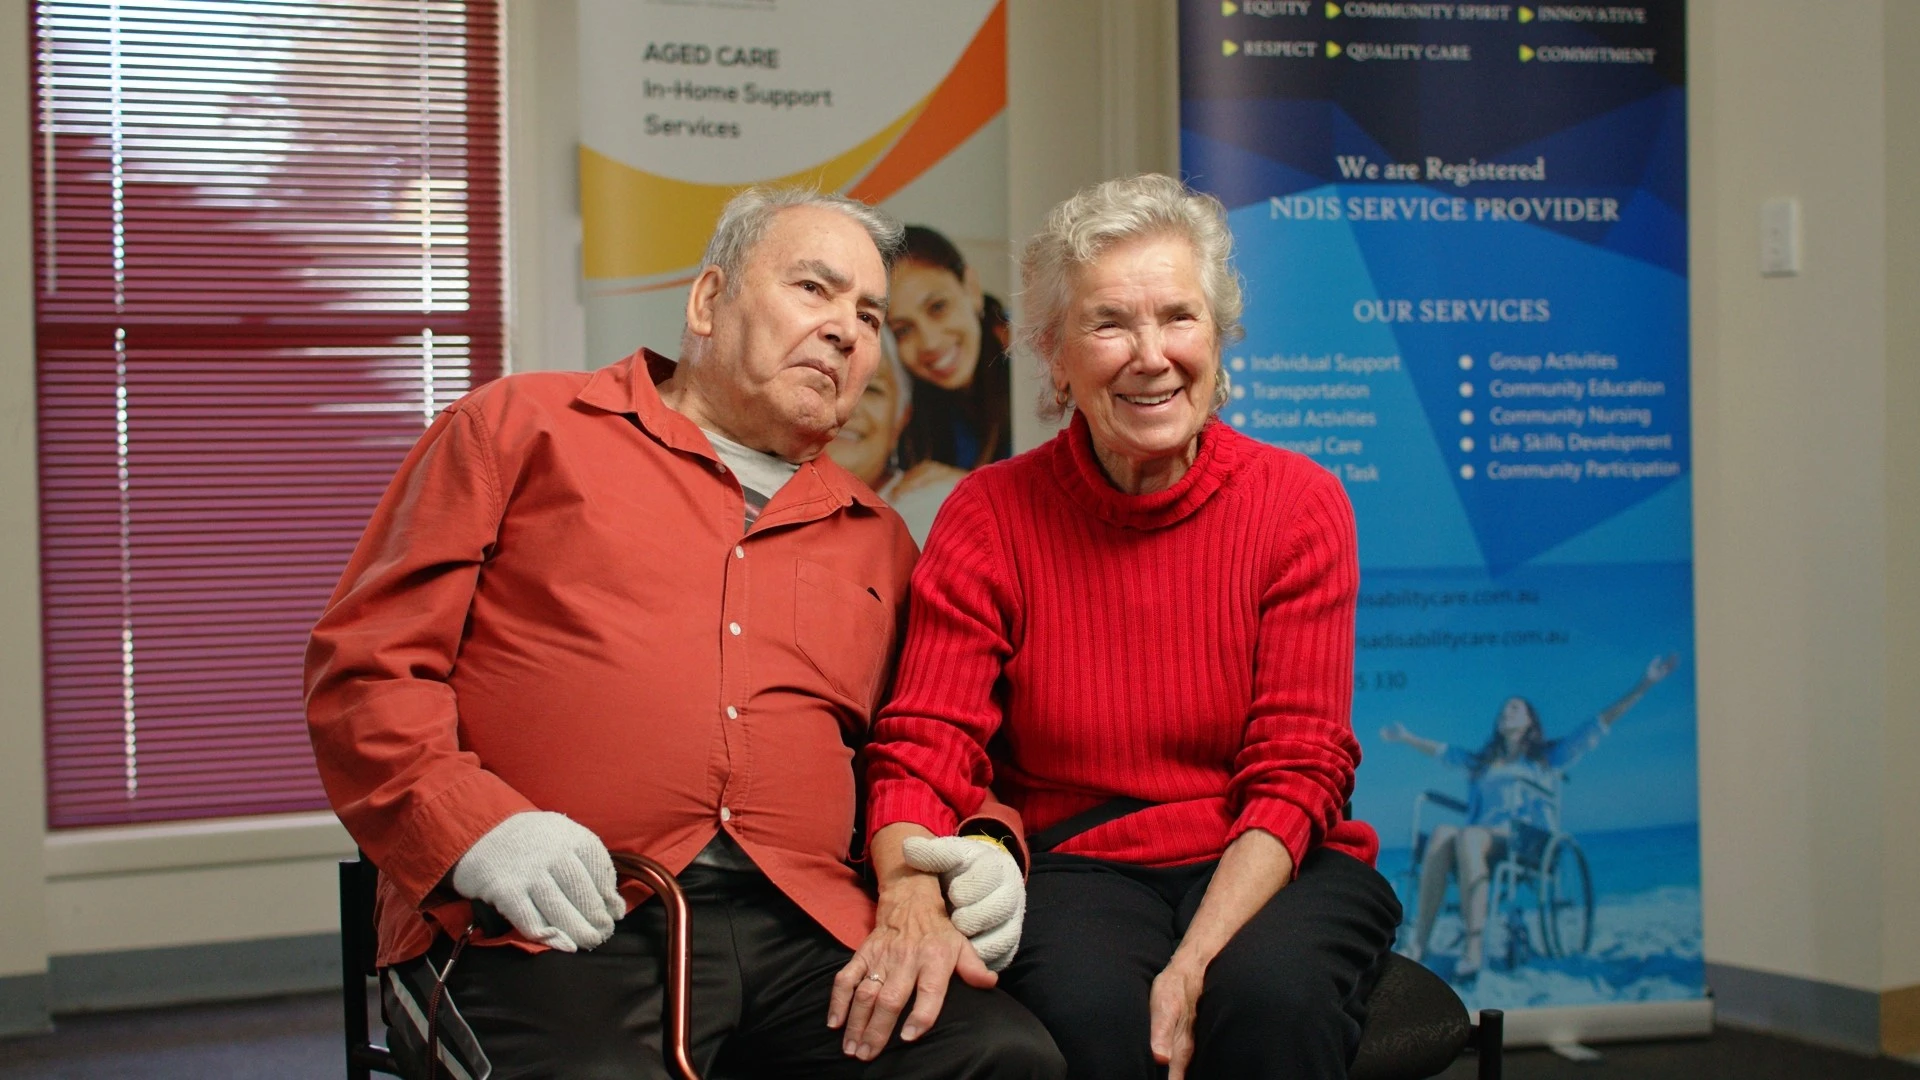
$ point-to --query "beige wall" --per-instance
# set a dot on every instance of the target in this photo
(1793, 480)
(1092, 92)
(1807, 499)
(1900, 761)
(546, 319)
(22, 785)
(104, 890)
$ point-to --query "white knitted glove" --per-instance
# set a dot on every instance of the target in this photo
(984, 889)
(547, 875)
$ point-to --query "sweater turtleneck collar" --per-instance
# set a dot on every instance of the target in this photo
(1085, 482)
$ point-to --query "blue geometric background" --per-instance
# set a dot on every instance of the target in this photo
(1562, 591)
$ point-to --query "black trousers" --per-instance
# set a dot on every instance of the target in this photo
(762, 975)
(1285, 998)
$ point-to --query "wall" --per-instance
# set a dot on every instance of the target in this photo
(1900, 814)
(546, 320)
(102, 918)
(1807, 502)
(1806, 516)
(1789, 377)
(1804, 585)
(23, 958)
(1092, 92)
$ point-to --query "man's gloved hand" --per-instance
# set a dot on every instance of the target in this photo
(547, 875)
(983, 887)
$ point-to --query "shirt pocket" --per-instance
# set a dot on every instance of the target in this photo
(843, 629)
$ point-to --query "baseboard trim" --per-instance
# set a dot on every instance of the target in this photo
(1900, 1022)
(224, 971)
(1819, 1012)
(1609, 1023)
(23, 1005)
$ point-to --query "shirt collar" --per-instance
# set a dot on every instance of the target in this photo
(630, 387)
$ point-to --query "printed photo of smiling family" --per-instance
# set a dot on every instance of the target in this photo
(918, 129)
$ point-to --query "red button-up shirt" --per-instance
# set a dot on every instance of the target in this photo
(554, 608)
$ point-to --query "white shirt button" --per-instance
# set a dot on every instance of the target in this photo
(739, 552)
(726, 814)
(733, 628)
(720, 467)
(733, 713)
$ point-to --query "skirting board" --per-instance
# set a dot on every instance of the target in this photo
(1900, 1022)
(227, 971)
(1609, 1023)
(1818, 1012)
(23, 1005)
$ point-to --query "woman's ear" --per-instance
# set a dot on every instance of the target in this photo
(701, 300)
(970, 281)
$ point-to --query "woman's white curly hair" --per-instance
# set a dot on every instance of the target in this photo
(1084, 227)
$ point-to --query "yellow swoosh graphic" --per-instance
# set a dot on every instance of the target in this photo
(640, 225)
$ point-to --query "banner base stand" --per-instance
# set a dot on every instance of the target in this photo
(1609, 1023)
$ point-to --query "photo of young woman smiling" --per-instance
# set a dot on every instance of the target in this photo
(952, 338)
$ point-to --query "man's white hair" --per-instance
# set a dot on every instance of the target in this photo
(1094, 220)
(744, 221)
(745, 218)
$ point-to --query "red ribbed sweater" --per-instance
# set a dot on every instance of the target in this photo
(1069, 643)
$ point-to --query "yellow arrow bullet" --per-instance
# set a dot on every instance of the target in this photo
(1333, 10)
(1228, 7)
(1333, 49)
(1526, 14)
(1526, 54)
(1228, 48)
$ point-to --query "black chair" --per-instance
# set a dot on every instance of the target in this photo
(1416, 1025)
(359, 949)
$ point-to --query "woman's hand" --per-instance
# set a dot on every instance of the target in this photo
(1397, 732)
(1254, 867)
(1661, 667)
(1171, 1007)
(912, 954)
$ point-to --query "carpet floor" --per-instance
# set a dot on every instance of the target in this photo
(298, 1038)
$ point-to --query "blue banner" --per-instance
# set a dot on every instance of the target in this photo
(1463, 230)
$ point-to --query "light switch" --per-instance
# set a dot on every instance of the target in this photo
(1780, 237)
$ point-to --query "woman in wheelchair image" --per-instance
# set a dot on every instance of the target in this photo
(1513, 783)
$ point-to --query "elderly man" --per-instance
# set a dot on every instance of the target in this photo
(638, 610)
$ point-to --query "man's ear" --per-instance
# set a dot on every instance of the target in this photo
(701, 300)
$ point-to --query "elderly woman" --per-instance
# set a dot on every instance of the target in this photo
(1151, 613)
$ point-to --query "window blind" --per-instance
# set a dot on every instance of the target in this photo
(268, 251)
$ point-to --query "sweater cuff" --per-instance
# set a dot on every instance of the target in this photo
(1288, 823)
(1001, 822)
(892, 801)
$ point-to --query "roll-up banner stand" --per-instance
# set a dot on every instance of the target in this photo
(900, 103)
(1463, 233)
